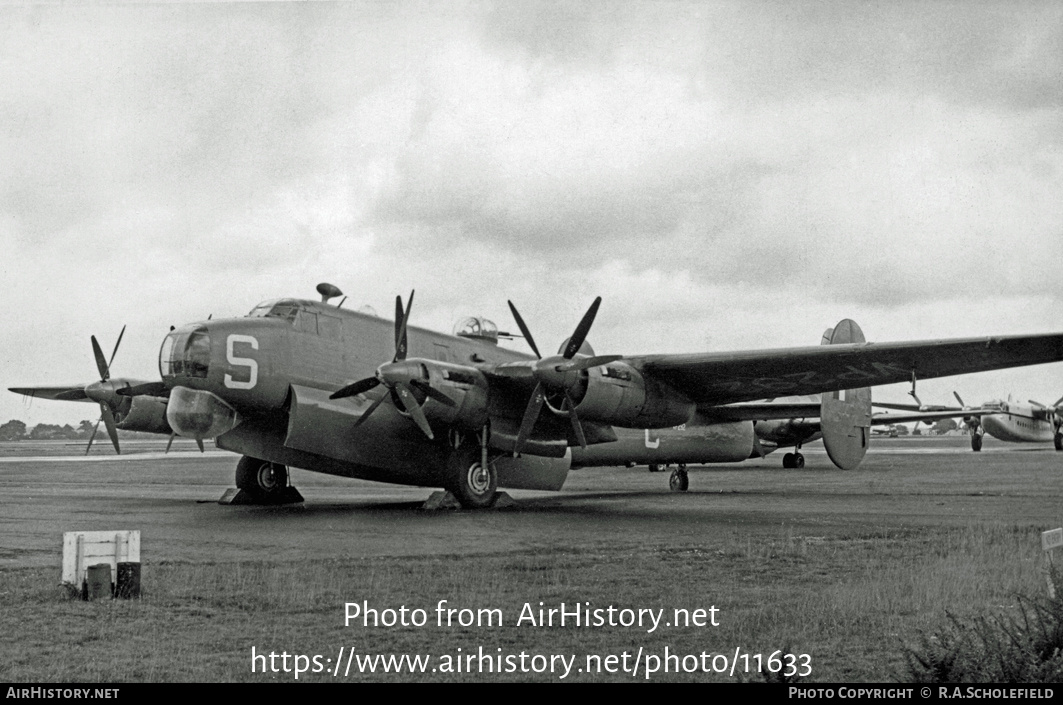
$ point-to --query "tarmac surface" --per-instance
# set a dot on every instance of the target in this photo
(49, 488)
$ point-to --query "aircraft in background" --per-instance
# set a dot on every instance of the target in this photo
(302, 383)
(1015, 422)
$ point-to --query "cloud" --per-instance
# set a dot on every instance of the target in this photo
(723, 174)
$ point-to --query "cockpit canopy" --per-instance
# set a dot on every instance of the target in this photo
(477, 328)
(285, 309)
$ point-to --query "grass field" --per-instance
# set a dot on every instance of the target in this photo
(849, 593)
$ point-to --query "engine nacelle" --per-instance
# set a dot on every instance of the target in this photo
(617, 394)
(199, 414)
(146, 414)
(467, 388)
(785, 432)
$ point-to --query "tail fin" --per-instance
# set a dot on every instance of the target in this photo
(845, 415)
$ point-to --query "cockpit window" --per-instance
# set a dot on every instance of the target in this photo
(185, 352)
(283, 309)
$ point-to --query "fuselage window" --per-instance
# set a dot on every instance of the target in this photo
(306, 322)
(329, 327)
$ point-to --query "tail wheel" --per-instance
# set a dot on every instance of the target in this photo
(261, 478)
(474, 486)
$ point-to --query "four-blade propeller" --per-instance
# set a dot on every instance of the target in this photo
(400, 376)
(103, 392)
(560, 374)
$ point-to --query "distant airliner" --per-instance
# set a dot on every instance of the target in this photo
(1011, 421)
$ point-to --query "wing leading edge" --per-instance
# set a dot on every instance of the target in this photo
(711, 379)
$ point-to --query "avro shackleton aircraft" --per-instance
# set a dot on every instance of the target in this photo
(302, 383)
(1032, 422)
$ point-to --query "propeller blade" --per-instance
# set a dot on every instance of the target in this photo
(400, 330)
(1058, 401)
(531, 415)
(169, 443)
(585, 363)
(101, 363)
(524, 329)
(108, 421)
(362, 385)
(576, 427)
(93, 436)
(370, 410)
(1037, 403)
(584, 327)
(115, 351)
(409, 401)
(199, 442)
(399, 315)
(152, 389)
(957, 395)
(432, 392)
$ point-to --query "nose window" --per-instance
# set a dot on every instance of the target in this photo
(185, 353)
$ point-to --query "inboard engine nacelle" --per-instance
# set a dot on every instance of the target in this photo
(466, 387)
(617, 394)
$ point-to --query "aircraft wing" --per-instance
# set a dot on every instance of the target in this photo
(765, 411)
(68, 393)
(762, 411)
(879, 419)
(711, 379)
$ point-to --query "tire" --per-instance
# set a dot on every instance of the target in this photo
(679, 481)
(467, 481)
(799, 460)
(976, 442)
(788, 461)
(261, 479)
(654, 467)
(1058, 440)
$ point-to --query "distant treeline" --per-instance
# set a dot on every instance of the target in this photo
(16, 430)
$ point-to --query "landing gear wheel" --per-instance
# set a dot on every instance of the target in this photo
(976, 442)
(679, 481)
(474, 486)
(654, 467)
(261, 479)
(788, 461)
(1058, 440)
(799, 461)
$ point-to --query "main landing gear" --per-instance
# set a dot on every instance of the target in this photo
(469, 475)
(261, 482)
(1058, 440)
(794, 460)
(976, 439)
(679, 481)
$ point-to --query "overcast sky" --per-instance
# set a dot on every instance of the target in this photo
(726, 175)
